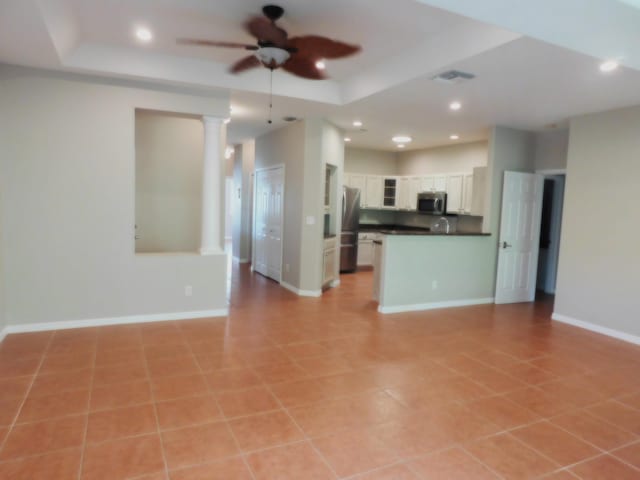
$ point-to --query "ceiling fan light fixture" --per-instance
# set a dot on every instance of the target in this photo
(272, 57)
(320, 65)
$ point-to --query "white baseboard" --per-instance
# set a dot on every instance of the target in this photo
(433, 305)
(100, 322)
(335, 283)
(3, 333)
(241, 260)
(610, 332)
(302, 293)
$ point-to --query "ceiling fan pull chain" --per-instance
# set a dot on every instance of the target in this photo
(270, 95)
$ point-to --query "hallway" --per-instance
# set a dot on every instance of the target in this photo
(321, 388)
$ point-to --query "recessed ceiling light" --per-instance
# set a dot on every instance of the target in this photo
(455, 105)
(347, 139)
(402, 139)
(320, 65)
(357, 123)
(144, 34)
(609, 66)
(400, 145)
(454, 137)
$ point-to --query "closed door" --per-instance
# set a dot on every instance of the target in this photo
(267, 240)
(519, 237)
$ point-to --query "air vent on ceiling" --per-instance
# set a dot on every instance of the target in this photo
(453, 76)
(290, 119)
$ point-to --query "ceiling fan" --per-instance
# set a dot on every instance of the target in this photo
(274, 48)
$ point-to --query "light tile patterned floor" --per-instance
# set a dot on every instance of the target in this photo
(304, 388)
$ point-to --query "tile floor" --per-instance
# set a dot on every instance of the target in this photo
(295, 388)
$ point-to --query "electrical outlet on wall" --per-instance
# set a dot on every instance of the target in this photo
(188, 290)
(434, 285)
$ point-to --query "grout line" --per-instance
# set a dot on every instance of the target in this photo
(155, 411)
(86, 426)
(26, 394)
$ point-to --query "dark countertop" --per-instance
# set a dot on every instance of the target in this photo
(434, 234)
(381, 228)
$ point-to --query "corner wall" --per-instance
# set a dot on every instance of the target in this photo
(599, 267)
(67, 176)
(244, 160)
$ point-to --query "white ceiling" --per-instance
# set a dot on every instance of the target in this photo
(521, 82)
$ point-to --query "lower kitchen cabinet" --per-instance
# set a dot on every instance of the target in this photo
(365, 249)
(329, 261)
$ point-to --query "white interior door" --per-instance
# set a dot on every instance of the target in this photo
(274, 238)
(519, 237)
(267, 239)
(261, 219)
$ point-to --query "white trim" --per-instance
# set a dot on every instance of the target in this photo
(334, 283)
(241, 260)
(552, 171)
(610, 332)
(302, 293)
(3, 333)
(98, 322)
(433, 305)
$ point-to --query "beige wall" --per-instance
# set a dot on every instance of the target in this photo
(304, 148)
(242, 204)
(449, 159)
(599, 265)
(169, 156)
(372, 162)
(67, 177)
(550, 151)
(286, 146)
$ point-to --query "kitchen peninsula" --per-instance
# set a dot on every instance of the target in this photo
(426, 270)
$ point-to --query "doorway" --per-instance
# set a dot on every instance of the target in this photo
(550, 231)
(268, 222)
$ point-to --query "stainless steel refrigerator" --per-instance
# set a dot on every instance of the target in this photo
(349, 236)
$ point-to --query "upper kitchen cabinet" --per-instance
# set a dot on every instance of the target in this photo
(433, 183)
(359, 181)
(373, 192)
(467, 194)
(390, 192)
(408, 189)
(455, 189)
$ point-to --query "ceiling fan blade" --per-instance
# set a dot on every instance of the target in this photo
(322, 47)
(213, 43)
(266, 31)
(245, 64)
(304, 67)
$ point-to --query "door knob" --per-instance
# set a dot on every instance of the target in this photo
(505, 245)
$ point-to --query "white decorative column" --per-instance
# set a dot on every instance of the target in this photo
(212, 186)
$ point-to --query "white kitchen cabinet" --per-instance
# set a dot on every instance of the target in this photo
(390, 193)
(433, 183)
(403, 193)
(467, 194)
(359, 181)
(479, 186)
(365, 249)
(329, 260)
(455, 189)
(414, 189)
(373, 197)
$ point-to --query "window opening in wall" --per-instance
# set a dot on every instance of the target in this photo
(168, 181)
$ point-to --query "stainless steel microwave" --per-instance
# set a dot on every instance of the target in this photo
(432, 203)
